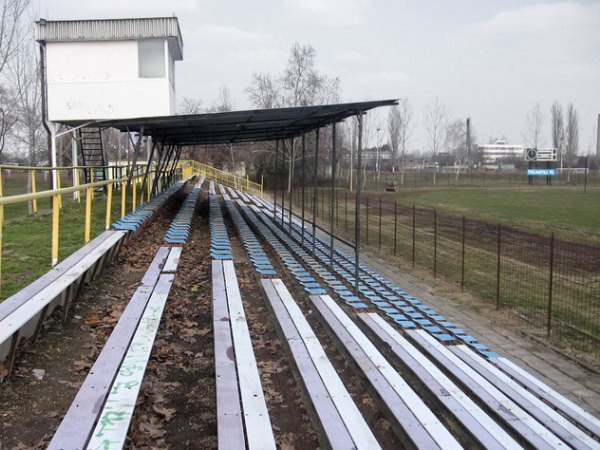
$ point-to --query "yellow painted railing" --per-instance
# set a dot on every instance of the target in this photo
(190, 168)
(135, 194)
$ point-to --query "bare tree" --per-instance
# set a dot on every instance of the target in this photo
(535, 127)
(458, 143)
(24, 75)
(300, 84)
(7, 117)
(571, 135)
(263, 91)
(191, 106)
(558, 128)
(394, 125)
(11, 12)
(224, 101)
(436, 119)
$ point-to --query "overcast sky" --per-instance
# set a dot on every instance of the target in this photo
(492, 60)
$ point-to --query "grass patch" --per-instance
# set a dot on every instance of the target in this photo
(569, 212)
(27, 241)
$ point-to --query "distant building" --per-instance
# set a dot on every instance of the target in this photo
(110, 69)
(501, 154)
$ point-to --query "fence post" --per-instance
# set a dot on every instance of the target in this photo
(498, 245)
(550, 283)
(413, 235)
(435, 243)
(379, 223)
(462, 264)
(395, 226)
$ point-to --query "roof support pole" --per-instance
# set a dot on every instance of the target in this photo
(166, 162)
(333, 206)
(159, 162)
(315, 196)
(291, 182)
(357, 203)
(282, 181)
(136, 151)
(174, 165)
(303, 181)
(149, 166)
(162, 159)
(276, 179)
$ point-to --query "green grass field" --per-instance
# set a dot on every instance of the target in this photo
(569, 212)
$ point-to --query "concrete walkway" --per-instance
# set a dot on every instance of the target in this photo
(495, 330)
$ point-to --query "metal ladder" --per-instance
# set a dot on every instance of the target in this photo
(92, 153)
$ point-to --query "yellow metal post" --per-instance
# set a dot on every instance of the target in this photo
(123, 199)
(58, 186)
(33, 191)
(149, 185)
(108, 205)
(92, 180)
(55, 225)
(88, 214)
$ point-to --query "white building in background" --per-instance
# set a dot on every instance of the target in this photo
(500, 153)
(110, 69)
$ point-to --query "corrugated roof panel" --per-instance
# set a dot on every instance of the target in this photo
(112, 29)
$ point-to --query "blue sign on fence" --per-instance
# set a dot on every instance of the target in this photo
(541, 172)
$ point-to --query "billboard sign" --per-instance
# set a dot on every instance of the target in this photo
(541, 172)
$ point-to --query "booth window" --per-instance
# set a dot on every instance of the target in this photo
(151, 55)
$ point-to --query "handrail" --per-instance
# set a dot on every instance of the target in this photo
(220, 176)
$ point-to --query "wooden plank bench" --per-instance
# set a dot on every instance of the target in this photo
(23, 314)
(404, 406)
(512, 415)
(242, 385)
(85, 411)
(338, 418)
(546, 415)
(474, 420)
(569, 409)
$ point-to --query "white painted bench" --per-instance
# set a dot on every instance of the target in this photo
(474, 420)
(412, 417)
(237, 377)
(338, 418)
(100, 414)
(22, 315)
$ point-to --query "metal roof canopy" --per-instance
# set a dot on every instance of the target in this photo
(241, 126)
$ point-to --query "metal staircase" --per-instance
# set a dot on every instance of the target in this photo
(92, 153)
